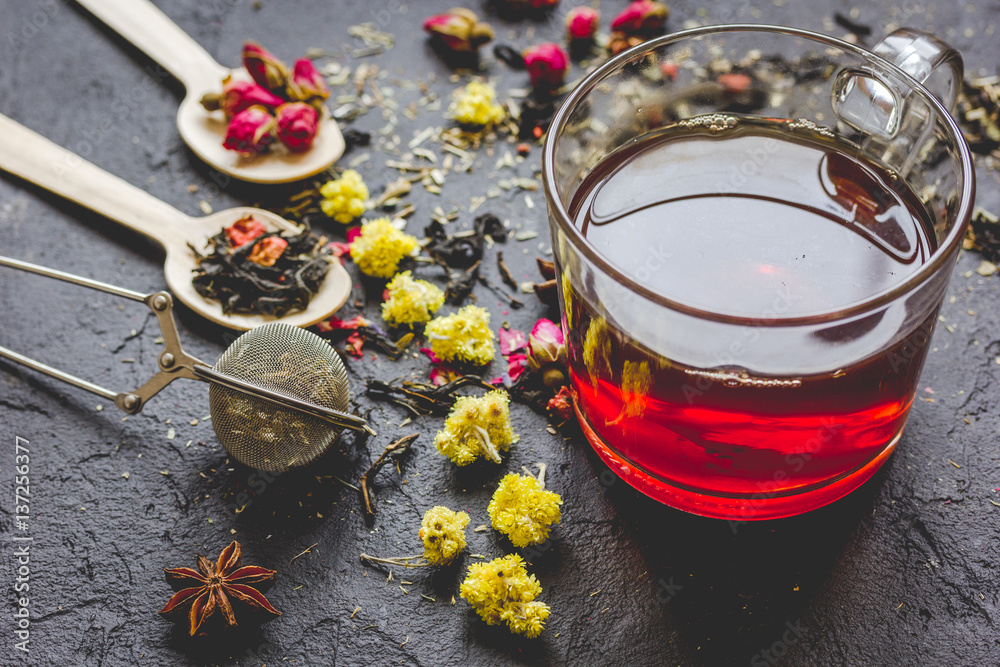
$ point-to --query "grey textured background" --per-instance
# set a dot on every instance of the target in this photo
(905, 571)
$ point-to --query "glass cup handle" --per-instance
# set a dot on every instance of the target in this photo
(928, 60)
(876, 102)
(873, 102)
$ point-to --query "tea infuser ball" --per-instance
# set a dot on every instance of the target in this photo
(291, 361)
(278, 395)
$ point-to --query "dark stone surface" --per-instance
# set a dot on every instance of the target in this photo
(902, 572)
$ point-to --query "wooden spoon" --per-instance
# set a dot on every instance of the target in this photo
(36, 159)
(149, 29)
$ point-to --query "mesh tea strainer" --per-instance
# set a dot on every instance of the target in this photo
(278, 396)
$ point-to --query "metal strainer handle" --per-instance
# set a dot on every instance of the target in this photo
(173, 361)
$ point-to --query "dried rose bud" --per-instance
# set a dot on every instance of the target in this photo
(264, 68)
(244, 231)
(459, 29)
(642, 17)
(250, 131)
(307, 84)
(297, 123)
(581, 24)
(267, 251)
(547, 352)
(619, 41)
(562, 403)
(239, 95)
(547, 65)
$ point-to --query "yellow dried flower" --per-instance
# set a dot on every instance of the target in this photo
(502, 590)
(443, 534)
(476, 105)
(475, 427)
(597, 349)
(524, 510)
(637, 380)
(344, 198)
(380, 247)
(410, 301)
(463, 336)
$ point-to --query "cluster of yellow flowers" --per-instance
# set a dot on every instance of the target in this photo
(475, 427)
(464, 336)
(380, 247)
(524, 510)
(410, 301)
(503, 591)
(344, 198)
(443, 534)
(476, 106)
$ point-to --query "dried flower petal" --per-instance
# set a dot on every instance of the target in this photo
(503, 591)
(244, 230)
(250, 131)
(582, 23)
(381, 247)
(477, 427)
(268, 250)
(524, 510)
(641, 18)
(547, 65)
(297, 124)
(344, 198)
(476, 106)
(459, 29)
(239, 95)
(561, 404)
(442, 532)
(464, 336)
(410, 301)
(307, 84)
(264, 68)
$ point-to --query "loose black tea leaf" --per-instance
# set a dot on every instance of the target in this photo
(423, 399)
(488, 224)
(227, 274)
(457, 251)
(392, 449)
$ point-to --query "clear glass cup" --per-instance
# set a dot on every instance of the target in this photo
(771, 413)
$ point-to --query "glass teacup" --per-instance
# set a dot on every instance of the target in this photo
(754, 228)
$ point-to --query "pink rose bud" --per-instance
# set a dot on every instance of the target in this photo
(547, 65)
(642, 17)
(264, 68)
(459, 29)
(547, 352)
(297, 123)
(307, 84)
(581, 24)
(239, 95)
(250, 131)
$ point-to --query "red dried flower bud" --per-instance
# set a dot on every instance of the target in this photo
(244, 231)
(562, 403)
(459, 29)
(619, 41)
(582, 23)
(267, 251)
(239, 95)
(547, 65)
(264, 68)
(250, 131)
(297, 123)
(642, 17)
(307, 84)
(547, 352)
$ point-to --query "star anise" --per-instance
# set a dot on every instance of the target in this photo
(210, 589)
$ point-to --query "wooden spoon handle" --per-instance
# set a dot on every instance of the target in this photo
(149, 29)
(36, 159)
